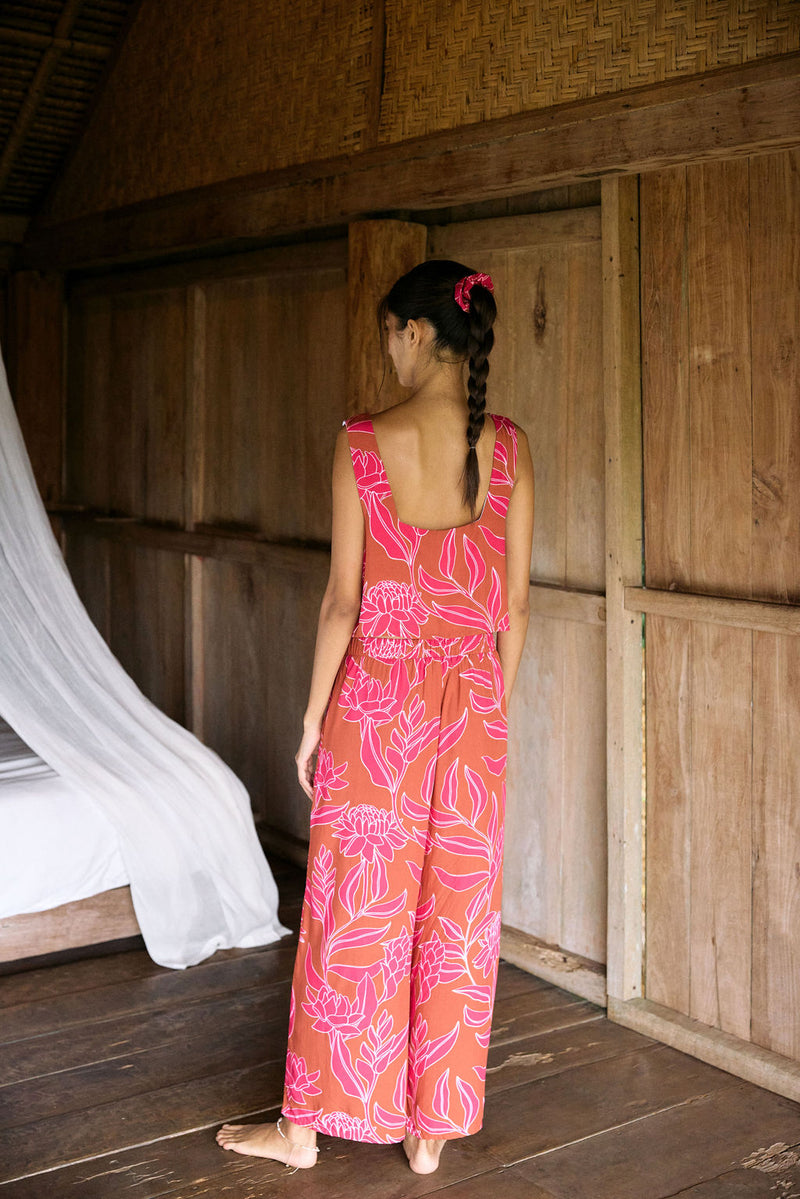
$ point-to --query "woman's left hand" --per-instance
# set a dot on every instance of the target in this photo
(305, 760)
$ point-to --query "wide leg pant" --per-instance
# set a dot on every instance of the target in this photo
(396, 968)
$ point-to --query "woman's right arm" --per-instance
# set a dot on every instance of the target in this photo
(340, 606)
(519, 539)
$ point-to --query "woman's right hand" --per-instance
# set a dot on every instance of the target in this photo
(305, 759)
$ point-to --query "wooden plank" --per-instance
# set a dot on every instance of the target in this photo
(378, 253)
(776, 835)
(144, 580)
(623, 542)
(730, 111)
(574, 225)
(741, 1058)
(567, 970)
(329, 254)
(758, 615)
(562, 603)
(720, 861)
(108, 916)
(669, 810)
(592, 1099)
(721, 406)
(168, 989)
(775, 319)
(665, 380)
(275, 367)
(584, 869)
(36, 372)
(665, 1151)
(253, 714)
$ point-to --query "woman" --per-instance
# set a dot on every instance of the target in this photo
(420, 635)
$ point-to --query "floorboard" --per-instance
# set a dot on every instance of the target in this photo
(115, 1073)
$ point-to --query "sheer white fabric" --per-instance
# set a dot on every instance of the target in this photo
(199, 880)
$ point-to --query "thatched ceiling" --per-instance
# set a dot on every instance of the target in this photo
(53, 56)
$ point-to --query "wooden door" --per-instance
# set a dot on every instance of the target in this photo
(546, 374)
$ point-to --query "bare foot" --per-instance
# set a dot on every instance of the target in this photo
(423, 1155)
(296, 1148)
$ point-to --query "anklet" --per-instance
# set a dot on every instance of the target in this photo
(313, 1148)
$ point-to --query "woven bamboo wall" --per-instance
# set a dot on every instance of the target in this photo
(720, 264)
(205, 92)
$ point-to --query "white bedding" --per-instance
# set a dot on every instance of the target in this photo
(56, 846)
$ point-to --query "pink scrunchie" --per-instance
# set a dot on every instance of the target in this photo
(465, 286)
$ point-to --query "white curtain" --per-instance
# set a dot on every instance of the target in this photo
(198, 876)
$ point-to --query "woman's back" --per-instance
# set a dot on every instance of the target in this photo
(422, 449)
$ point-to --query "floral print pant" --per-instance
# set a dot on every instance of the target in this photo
(396, 968)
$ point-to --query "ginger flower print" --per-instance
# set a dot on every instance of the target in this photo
(368, 832)
(340, 1124)
(397, 955)
(391, 609)
(489, 933)
(299, 1082)
(328, 777)
(365, 698)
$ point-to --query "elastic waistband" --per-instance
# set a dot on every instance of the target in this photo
(442, 649)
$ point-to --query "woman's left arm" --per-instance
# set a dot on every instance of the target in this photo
(340, 605)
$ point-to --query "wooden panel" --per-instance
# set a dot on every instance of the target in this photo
(720, 884)
(776, 836)
(125, 407)
(775, 310)
(146, 622)
(669, 812)
(275, 385)
(665, 379)
(36, 370)
(258, 647)
(719, 351)
(88, 564)
(379, 252)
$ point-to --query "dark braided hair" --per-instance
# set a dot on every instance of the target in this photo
(428, 292)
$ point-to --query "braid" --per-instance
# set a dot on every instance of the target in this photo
(479, 344)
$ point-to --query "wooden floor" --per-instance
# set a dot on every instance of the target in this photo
(116, 1074)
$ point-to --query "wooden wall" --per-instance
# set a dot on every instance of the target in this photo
(721, 313)
(546, 374)
(205, 401)
(204, 92)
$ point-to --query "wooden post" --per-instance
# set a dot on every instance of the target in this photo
(378, 252)
(36, 372)
(624, 538)
(194, 463)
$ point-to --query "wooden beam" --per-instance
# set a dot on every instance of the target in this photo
(714, 609)
(743, 1058)
(47, 65)
(205, 541)
(561, 603)
(574, 973)
(736, 110)
(379, 252)
(622, 388)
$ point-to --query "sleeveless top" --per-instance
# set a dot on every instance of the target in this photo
(426, 584)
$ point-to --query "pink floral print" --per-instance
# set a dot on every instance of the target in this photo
(395, 975)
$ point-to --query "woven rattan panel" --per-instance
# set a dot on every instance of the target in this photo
(453, 62)
(205, 91)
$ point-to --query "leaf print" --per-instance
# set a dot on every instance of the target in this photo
(482, 703)
(461, 845)
(493, 603)
(460, 615)
(447, 558)
(478, 793)
(452, 733)
(496, 543)
(459, 882)
(384, 530)
(434, 585)
(497, 729)
(495, 766)
(469, 1100)
(372, 757)
(355, 938)
(441, 1095)
(475, 563)
(350, 887)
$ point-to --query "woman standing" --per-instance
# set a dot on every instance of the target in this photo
(420, 636)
